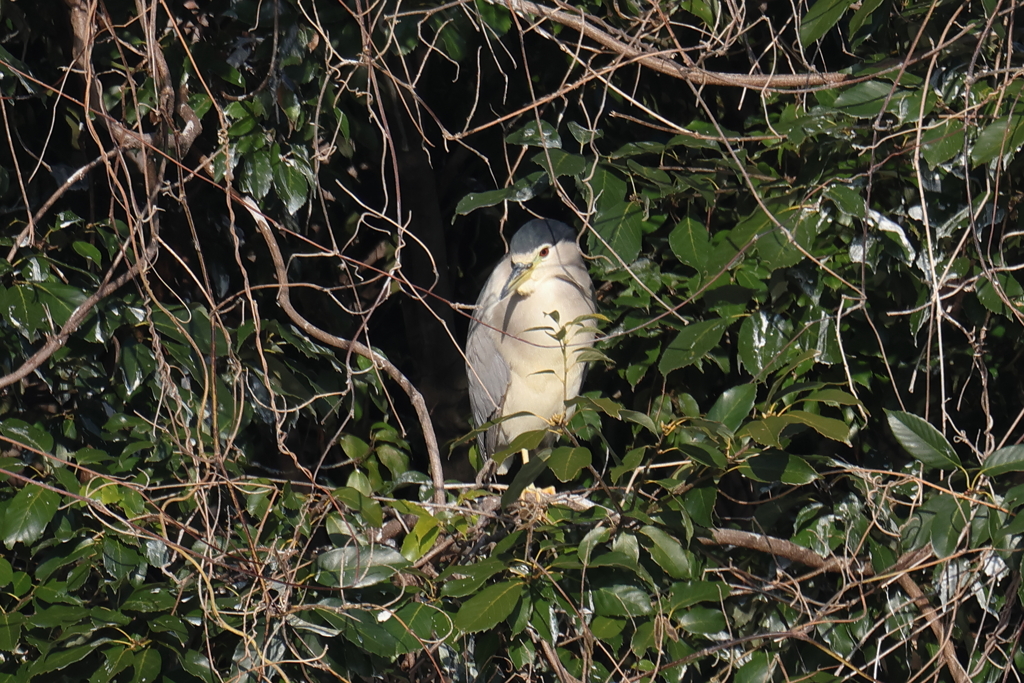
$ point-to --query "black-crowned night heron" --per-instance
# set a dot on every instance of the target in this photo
(532, 320)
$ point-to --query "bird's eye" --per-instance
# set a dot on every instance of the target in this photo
(544, 252)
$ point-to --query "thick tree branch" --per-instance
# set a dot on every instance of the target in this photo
(657, 62)
(415, 397)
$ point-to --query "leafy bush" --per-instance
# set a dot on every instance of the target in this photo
(234, 420)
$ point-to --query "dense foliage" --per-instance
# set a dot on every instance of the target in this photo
(235, 435)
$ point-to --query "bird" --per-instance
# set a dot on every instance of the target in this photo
(533, 318)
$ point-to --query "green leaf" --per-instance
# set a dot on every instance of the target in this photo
(829, 427)
(290, 184)
(832, 397)
(620, 227)
(951, 516)
(866, 100)
(822, 16)
(496, 17)
(922, 441)
(358, 566)
(476, 575)
(147, 665)
(199, 666)
(10, 630)
(988, 293)
(692, 592)
(775, 466)
(704, 454)
(690, 243)
(763, 341)
(489, 607)
(150, 598)
(757, 669)
(59, 659)
(584, 136)
(699, 503)
(559, 163)
(668, 552)
(943, 142)
(622, 600)
(867, 8)
(27, 515)
(734, 406)
(367, 507)
(257, 174)
(412, 625)
(118, 558)
(566, 462)
(364, 629)
(531, 135)
(1008, 459)
(702, 620)
(593, 538)
(118, 658)
(89, 251)
(523, 190)
(847, 199)
(701, 9)
(1001, 138)
(693, 343)
(29, 435)
(168, 623)
(766, 431)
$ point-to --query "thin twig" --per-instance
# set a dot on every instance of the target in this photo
(900, 570)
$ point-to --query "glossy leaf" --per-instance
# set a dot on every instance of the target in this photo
(622, 600)
(358, 566)
(533, 135)
(822, 16)
(693, 343)
(620, 229)
(690, 243)
(922, 441)
(701, 620)
(734, 406)
(27, 515)
(489, 607)
(668, 552)
(1003, 460)
(942, 143)
(1001, 138)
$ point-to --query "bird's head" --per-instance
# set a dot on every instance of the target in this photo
(536, 245)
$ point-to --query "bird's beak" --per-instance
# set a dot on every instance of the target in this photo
(521, 272)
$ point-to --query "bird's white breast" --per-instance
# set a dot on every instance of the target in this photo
(543, 367)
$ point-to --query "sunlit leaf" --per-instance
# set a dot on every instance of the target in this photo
(566, 462)
(1003, 460)
(357, 566)
(693, 343)
(734, 406)
(27, 515)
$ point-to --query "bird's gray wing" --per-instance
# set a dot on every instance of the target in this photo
(489, 378)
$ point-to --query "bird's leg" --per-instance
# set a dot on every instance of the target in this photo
(486, 473)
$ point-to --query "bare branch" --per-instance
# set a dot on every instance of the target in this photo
(415, 397)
